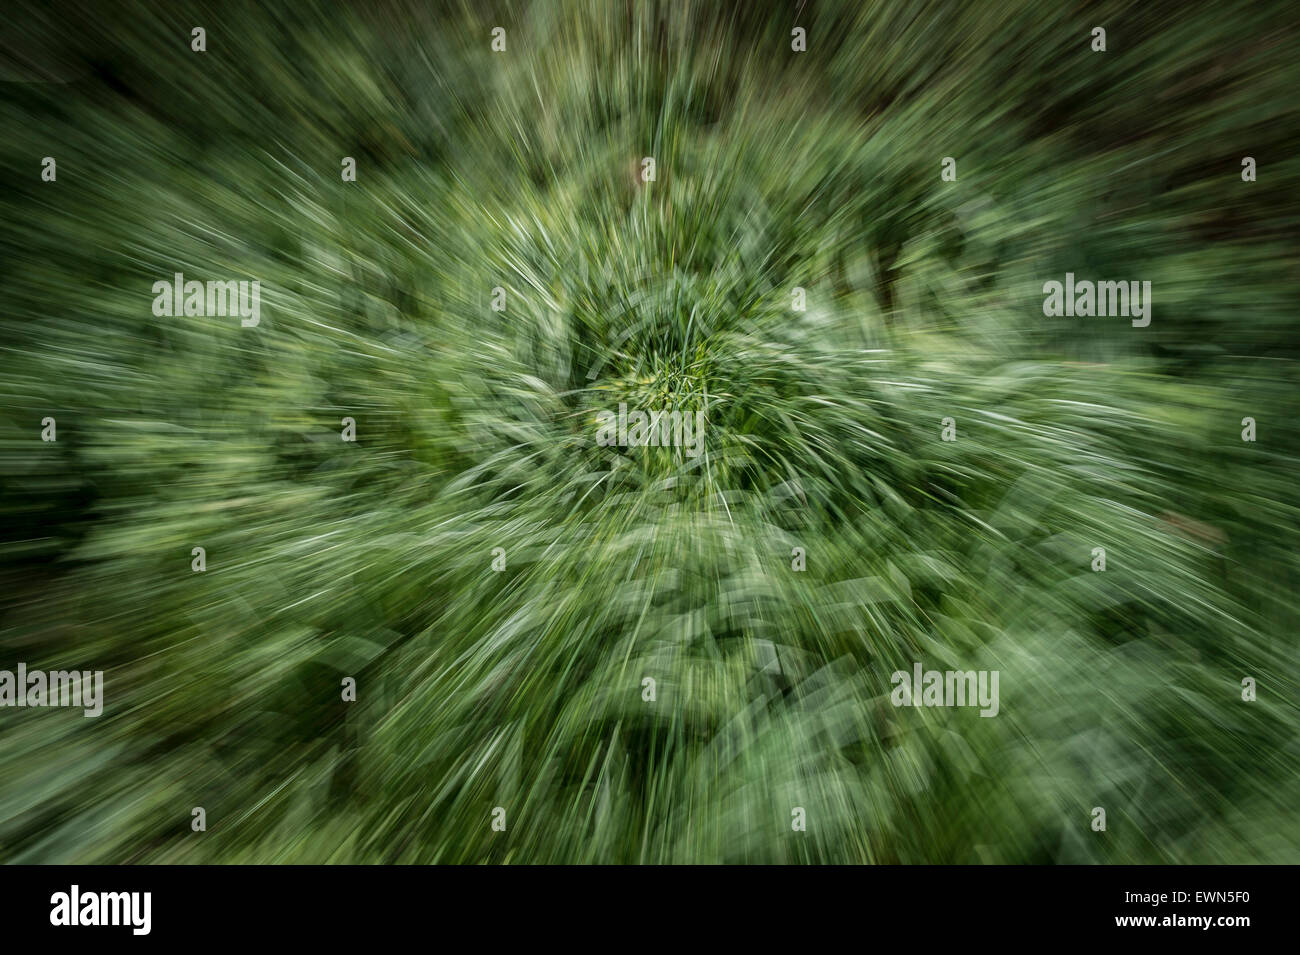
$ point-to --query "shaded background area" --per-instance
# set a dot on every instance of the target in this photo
(475, 430)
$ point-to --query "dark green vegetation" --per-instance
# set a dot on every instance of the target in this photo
(522, 689)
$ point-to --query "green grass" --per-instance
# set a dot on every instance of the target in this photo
(476, 430)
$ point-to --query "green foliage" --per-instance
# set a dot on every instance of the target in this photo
(475, 430)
